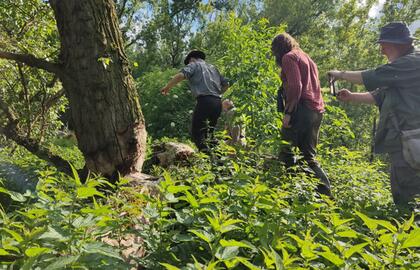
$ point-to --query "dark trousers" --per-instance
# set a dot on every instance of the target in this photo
(207, 111)
(405, 181)
(304, 133)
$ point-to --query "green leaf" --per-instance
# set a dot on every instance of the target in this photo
(103, 249)
(168, 180)
(75, 175)
(169, 266)
(347, 234)
(229, 228)
(105, 61)
(228, 225)
(277, 260)
(3, 252)
(231, 222)
(214, 222)
(34, 213)
(268, 260)
(387, 224)
(29, 263)
(86, 192)
(209, 200)
(53, 234)
(62, 262)
(336, 221)
(36, 251)
(14, 234)
(191, 199)
(227, 253)
(250, 266)
(370, 223)
(183, 238)
(408, 223)
(212, 265)
(5, 191)
(81, 221)
(371, 259)
(413, 239)
(13, 248)
(203, 235)
(236, 166)
(322, 226)
(17, 197)
(337, 261)
(357, 248)
(206, 177)
(386, 238)
(296, 238)
(177, 189)
(234, 243)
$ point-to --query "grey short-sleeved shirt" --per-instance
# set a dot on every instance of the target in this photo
(204, 79)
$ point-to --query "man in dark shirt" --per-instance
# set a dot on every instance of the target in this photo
(304, 105)
(395, 89)
(207, 86)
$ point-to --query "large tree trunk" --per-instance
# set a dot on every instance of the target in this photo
(109, 124)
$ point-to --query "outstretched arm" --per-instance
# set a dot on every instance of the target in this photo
(174, 81)
(350, 76)
(347, 96)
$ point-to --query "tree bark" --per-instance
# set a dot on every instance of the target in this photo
(109, 124)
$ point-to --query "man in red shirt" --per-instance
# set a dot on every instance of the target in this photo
(303, 105)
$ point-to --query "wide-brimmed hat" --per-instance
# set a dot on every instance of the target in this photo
(194, 54)
(395, 32)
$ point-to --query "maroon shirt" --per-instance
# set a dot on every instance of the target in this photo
(301, 83)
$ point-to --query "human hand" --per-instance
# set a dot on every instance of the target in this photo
(164, 91)
(344, 95)
(286, 121)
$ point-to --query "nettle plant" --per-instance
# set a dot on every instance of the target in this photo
(61, 226)
(247, 62)
(165, 115)
(252, 215)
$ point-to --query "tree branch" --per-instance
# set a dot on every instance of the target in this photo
(53, 99)
(32, 146)
(24, 83)
(10, 114)
(32, 61)
(122, 9)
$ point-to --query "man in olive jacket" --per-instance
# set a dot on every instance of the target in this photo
(395, 89)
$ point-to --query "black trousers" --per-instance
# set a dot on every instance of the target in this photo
(206, 113)
(304, 133)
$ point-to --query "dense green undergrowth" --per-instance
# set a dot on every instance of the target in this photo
(226, 211)
(231, 210)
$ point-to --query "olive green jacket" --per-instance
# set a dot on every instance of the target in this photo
(396, 89)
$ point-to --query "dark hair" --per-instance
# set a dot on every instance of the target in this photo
(281, 45)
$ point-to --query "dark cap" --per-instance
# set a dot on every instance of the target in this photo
(395, 32)
(194, 54)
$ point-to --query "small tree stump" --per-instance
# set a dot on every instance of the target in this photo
(172, 152)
